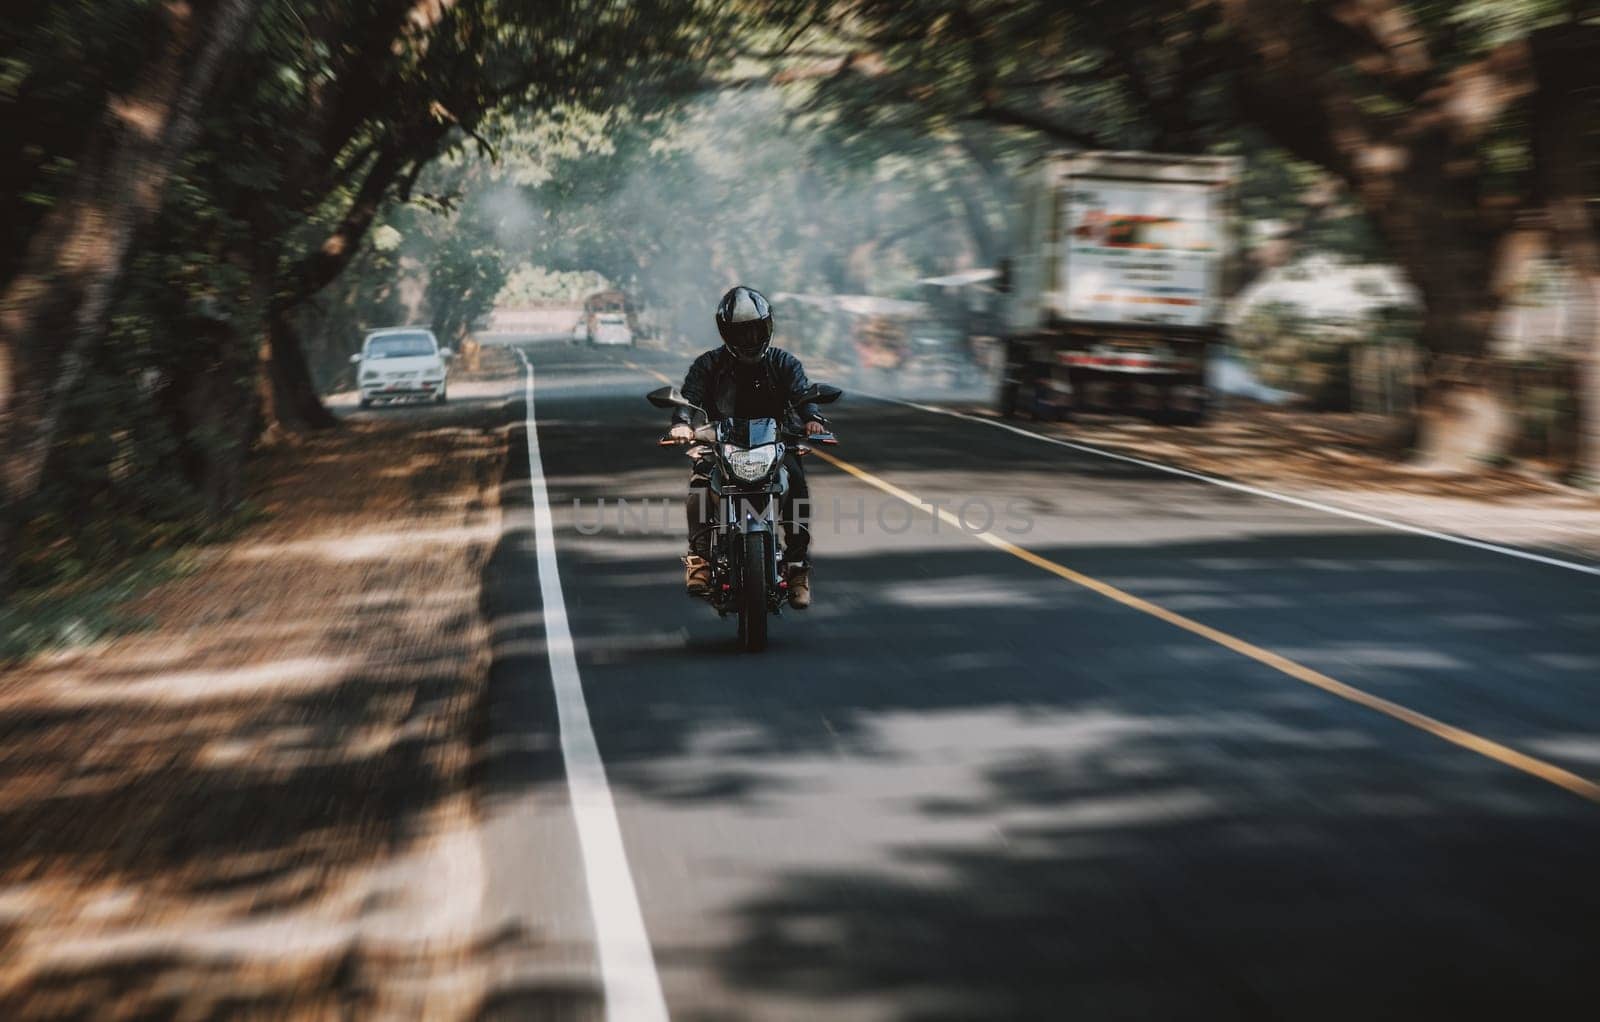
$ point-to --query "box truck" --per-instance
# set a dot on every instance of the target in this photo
(1114, 288)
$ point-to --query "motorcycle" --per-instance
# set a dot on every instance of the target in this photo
(748, 483)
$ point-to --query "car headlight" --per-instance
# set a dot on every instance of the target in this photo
(753, 464)
(369, 376)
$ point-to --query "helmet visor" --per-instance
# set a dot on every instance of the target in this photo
(747, 340)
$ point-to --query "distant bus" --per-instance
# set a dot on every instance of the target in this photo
(609, 316)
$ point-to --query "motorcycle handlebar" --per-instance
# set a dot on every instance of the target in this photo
(668, 440)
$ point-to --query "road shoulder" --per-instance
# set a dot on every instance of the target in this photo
(1341, 460)
(262, 803)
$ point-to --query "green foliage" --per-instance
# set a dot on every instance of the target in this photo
(85, 607)
(1314, 357)
(532, 285)
(322, 127)
(741, 186)
(1473, 27)
(362, 166)
(372, 292)
(463, 280)
(58, 61)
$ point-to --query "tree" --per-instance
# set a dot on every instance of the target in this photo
(446, 71)
(1428, 122)
(287, 130)
(1566, 125)
(1423, 110)
(54, 306)
(748, 185)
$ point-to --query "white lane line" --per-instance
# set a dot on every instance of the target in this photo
(1256, 491)
(627, 965)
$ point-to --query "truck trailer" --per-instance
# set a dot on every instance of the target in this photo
(1114, 289)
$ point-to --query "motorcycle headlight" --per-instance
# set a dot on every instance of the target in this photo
(753, 464)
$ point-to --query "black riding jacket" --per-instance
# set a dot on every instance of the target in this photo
(769, 389)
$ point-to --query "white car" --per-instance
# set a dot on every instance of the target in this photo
(402, 364)
(611, 328)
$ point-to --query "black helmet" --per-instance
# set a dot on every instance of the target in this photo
(744, 319)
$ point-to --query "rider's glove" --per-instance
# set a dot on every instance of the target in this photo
(682, 431)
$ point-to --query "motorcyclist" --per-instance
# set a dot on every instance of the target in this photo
(747, 378)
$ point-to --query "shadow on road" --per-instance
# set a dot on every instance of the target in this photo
(995, 794)
(961, 787)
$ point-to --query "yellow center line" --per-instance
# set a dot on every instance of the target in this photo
(639, 368)
(1439, 729)
(1503, 754)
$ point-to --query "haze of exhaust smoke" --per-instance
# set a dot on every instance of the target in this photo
(736, 195)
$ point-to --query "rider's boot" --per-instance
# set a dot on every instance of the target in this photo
(799, 579)
(696, 575)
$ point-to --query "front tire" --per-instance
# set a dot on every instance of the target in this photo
(753, 594)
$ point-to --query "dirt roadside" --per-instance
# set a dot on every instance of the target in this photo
(261, 805)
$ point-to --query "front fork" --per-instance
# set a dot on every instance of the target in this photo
(743, 514)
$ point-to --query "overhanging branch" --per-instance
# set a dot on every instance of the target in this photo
(995, 114)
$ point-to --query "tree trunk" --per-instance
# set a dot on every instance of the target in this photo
(1586, 327)
(215, 417)
(1564, 116)
(1465, 420)
(1418, 173)
(53, 312)
(295, 406)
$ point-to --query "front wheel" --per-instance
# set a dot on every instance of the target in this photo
(753, 594)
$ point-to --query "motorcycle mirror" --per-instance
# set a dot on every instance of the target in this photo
(823, 393)
(667, 397)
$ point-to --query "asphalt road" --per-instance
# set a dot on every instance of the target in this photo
(963, 786)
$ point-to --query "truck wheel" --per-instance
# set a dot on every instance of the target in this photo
(1048, 400)
(1198, 415)
(1028, 397)
(1006, 400)
(1012, 371)
(1164, 413)
(1191, 411)
(1077, 398)
(1124, 397)
(1037, 395)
